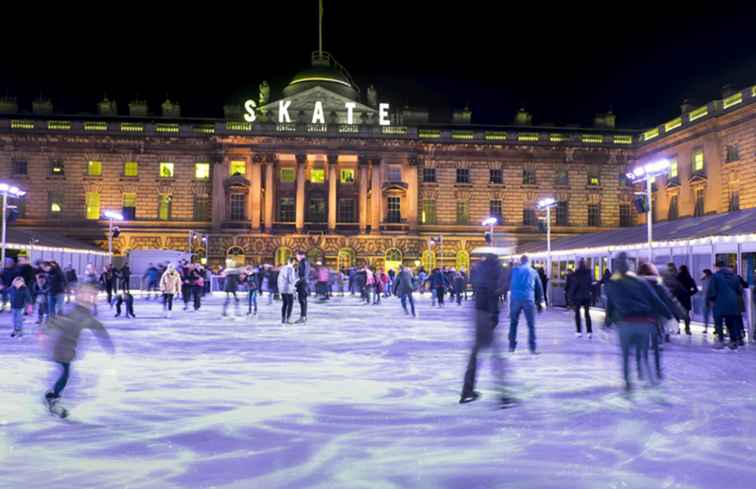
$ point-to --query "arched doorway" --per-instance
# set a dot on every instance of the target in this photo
(428, 260)
(315, 256)
(463, 260)
(392, 259)
(282, 256)
(347, 258)
(235, 257)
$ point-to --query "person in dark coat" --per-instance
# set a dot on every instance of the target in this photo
(544, 283)
(403, 288)
(57, 283)
(458, 286)
(580, 297)
(686, 291)
(303, 285)
(10, 272)
(124, 277)
(108, 281)
(231, 286)
(439, 283)
(71, 281)
(20, 297)
(724, 291)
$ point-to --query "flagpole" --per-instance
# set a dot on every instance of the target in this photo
(320, 30)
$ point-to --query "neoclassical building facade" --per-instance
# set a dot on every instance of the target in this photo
(346, 178)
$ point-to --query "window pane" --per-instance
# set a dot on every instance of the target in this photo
(463, 175)
(286, 209)
(347, 175)
(238, 167)
(394, 209)
(317, 175)
(495, 177)
(20, 167)
(202, 171)
(463, 212)
(166, 170)
(316, 210)
(201, 208)
(94, 168)
(129, 199)
(673, 168)
(562, 214)
(429, 212)
(164, 212)
(130, 169)
(93, 205)
(429, 175)
(698, 160)
(237, 202)
(346, 210)
(288, 175)
(394, 173)
(494, 209)
(56, 168)
(56, 202)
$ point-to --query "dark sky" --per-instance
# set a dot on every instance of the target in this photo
(563, 63)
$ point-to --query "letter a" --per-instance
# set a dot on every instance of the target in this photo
(283, 111)
(317, 113)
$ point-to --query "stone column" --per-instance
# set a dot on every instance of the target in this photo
(219, 193)
(270, 190)
(333, 179)
(301, 161)
(255, 198)
(363, 199)
(376, 197)
(412, 191)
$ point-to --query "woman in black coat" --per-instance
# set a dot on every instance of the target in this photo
(685, 292)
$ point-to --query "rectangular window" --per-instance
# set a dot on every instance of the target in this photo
(346, 175)
(316, 210)
(55, 200)
(429, 212)
(288, 175)
(594, 177)
(494, 210)
(394, 173)
(697, 161)
(626, 218)
(166, 170)
(93, 205)
(528, 176)
(56, 168)
(495, 176)
(165, 202)
(672, 212)
(699, 207)
(201, 208)
(236, 206)
(21, 206)
(346, 210)
(562, 214)
(733, 153)
(673, 169)
(734, 204)
(463, 212)
(286, 209)
(129, 206)
(562, 177)
(594, 215)
(237, 167)
(529, 217)
(130, 169)
(317, 175)
(395, 210)
(20, 167)
(94, 168)
(202, 171)
(463, 175)
(429, 175)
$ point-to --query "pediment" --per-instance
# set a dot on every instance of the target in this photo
(304, 102)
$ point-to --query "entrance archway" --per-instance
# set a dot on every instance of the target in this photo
(429, 260)
(392, 259)
(282, 256)
(347, 258)
(235, 257)
(463, 260)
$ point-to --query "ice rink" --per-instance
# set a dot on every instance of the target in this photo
(362, 397)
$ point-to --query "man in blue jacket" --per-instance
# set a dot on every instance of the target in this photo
(526, 294)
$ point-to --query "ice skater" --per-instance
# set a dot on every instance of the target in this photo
(286, 283)
(526, 295)
(125, 298)
(20, 297)
(170, 286)
(61, 337)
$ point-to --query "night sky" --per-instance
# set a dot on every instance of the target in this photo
(563, 64)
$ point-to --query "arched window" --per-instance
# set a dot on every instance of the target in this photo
(282, 256)
(347, 258)
(428, 260)
(463, 260)
(235, 257)
(393, 259)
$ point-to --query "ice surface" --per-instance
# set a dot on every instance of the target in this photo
(362, 397)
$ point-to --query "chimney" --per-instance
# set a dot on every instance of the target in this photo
(171, 109)
(523, 118)
(138, 108)
(107, 107)
(8, 105)
(42, 106)
(605, 121)
(686, 106)
(463, 116)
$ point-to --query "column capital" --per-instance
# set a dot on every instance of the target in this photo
(258, 158)
(362, 159)
(301, 158)
(271, 158)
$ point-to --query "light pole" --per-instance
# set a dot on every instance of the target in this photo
(548, 203)
(111, 216)
(6, 189)
(648, 172)
(491, 222)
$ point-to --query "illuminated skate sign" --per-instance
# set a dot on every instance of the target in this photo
(318, 113)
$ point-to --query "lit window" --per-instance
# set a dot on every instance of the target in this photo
(129, 206)
(164, 207)
(594, 181)
(130, 169)
(93, 205)
(166, 170)
(463, 212)
(56, 168)
(429, 212)
(238, 168)
(94, 168)
(286, 209)
(202, 171)
(698, 160)
(347, 175)
(56, 202)
(317, 175)
(673, 168)
(288, 175)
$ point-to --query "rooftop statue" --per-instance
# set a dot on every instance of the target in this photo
(264, 93)
(372, 96)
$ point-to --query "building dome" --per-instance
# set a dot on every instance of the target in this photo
(324, 72)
